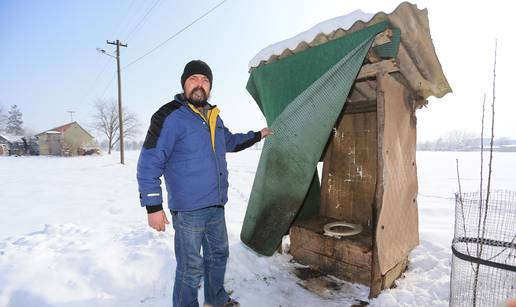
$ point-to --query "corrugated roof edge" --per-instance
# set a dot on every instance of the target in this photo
(418, 61)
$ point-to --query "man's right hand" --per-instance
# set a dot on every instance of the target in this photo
(157, 220)
(265, 132)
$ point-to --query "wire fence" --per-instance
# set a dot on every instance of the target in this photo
(484, 249)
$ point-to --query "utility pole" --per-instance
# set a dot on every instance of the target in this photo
(120, 119)
(71, 115)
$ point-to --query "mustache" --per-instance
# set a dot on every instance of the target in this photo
(200, 101)
(199, 89)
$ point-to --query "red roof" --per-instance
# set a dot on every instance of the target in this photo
(62, 128)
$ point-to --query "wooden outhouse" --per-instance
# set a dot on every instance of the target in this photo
(347, 98)
(369, 178)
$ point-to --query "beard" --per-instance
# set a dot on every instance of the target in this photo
(198, 97)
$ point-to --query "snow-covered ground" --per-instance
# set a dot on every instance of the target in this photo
(72, 234)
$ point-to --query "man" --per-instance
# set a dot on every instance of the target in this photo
(187, 143)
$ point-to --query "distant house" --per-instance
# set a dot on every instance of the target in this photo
(66, 140)
(17, 145)
(4, 146)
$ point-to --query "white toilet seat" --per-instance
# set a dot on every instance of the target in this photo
(355, 229)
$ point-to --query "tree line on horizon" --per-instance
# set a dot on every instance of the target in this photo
(104, 120)
(459, 140)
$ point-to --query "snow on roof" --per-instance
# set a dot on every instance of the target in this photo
(326, 27)
(60, 129)
(12, 138)
(418, 62)
(52, 132)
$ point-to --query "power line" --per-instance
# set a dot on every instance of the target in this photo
(87, 94)
(144, 18)
(94, 83)
(107, 87)
(174, 35)
(128, 35)
(102, 71)
(125, 22)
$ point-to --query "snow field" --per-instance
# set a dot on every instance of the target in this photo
(72, 234)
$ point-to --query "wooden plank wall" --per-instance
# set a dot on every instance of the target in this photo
(372, 145)
(397, 228)
(349, 170)
(347, 258)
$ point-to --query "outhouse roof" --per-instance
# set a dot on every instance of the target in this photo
(416, 56)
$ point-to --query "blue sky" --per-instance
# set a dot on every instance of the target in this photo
(49, 63)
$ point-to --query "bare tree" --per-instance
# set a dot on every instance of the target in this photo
(488, 189)
(105, 121)
(29, 132)
(459, 137)
(482, 281)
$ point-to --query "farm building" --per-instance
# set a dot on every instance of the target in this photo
(66, 140)
(4, 146)
(344, 94)
(16, 145)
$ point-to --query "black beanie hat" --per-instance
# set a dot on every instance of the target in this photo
(196, 67)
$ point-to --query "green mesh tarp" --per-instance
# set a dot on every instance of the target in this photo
(301, 97)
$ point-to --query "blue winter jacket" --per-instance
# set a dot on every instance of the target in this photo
(190, 153)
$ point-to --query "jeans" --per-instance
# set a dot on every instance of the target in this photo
(207, 228)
